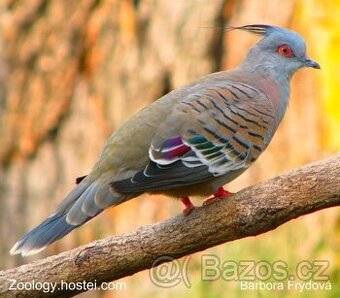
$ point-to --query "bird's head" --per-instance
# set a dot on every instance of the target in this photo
(280, 51)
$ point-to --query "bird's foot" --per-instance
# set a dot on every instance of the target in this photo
(188, 205)
(220, 194)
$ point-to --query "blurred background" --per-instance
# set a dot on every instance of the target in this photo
(72, 71)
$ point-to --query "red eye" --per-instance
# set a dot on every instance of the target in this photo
(285, 50)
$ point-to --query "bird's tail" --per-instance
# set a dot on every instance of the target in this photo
(83, 203)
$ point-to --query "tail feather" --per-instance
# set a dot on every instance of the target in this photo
(49, 231)
(76, 209)
(76, 215)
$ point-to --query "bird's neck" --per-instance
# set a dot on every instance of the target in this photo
(273, 83)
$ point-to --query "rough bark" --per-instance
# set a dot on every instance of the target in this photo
(252, 211)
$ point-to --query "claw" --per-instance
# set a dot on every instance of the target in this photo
(188, 205)
(220, 194)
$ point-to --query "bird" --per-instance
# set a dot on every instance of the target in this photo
(190, 142)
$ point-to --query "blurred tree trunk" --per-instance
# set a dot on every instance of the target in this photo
(72, 71)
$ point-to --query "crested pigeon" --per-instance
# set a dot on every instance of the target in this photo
(191, 141)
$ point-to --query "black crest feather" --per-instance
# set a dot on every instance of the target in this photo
(259, 29)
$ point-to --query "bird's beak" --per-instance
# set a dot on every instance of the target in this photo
(311, 63)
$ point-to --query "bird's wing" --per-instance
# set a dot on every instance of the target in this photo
(215, 132)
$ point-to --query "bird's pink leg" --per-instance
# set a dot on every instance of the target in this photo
(188, 205)
(221, 193)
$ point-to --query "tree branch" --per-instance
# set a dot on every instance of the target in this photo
(252, 211)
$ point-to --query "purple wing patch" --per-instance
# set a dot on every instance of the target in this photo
(171, 150)
(174, 147)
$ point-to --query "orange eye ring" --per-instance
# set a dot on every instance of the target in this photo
(285, 51)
